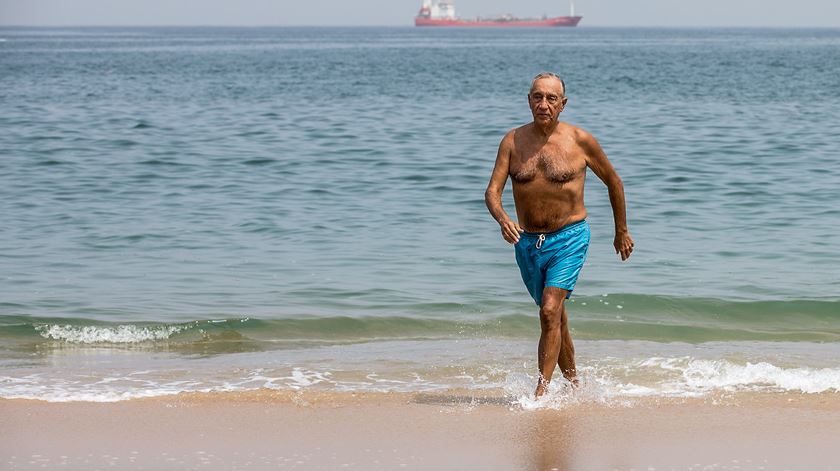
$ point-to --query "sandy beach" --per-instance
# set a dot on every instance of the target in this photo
(288, 430)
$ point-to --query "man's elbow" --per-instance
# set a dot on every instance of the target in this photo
(614, 183)
(491, 197)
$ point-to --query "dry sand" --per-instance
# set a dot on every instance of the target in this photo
(286, 430)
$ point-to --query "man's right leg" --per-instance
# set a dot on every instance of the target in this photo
(551, 335)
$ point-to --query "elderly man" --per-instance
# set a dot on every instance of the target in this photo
(547, 161)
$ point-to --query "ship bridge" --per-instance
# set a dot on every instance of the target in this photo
(438, 9)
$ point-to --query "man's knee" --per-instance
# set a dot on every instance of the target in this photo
(552, 312)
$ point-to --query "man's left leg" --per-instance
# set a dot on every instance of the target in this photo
(567, 350)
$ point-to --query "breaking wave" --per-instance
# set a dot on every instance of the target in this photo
(107, 334)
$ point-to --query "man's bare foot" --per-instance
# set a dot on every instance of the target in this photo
(542, 385)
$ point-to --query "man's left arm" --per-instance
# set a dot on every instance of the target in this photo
(597, 160)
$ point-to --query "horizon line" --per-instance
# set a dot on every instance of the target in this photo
(210, 25)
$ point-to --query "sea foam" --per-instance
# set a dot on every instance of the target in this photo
(722, 374)
(100, 334)
(687, 376)
(674, 377)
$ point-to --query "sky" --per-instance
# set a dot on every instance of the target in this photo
(820, 13)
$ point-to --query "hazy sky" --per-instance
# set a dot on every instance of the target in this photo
(401, 12)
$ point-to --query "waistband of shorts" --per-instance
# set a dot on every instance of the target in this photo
(558, 231)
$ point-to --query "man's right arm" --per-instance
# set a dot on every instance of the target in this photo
(493, 195)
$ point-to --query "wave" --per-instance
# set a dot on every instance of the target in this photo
(613, 317)
(617, 383)
(698, 375)
(683, 377)
(87, 334)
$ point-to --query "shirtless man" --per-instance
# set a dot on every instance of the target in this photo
(547, 161)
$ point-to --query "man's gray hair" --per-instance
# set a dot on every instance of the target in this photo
(543, 75)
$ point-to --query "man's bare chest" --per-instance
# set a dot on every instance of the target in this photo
(553, 165)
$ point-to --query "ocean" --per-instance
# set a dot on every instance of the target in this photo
(227, 209)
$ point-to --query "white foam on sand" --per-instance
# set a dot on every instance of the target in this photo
(110, 389)
(609, 382)
(710, 375)
(682, 377)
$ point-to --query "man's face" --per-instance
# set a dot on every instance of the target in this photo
(546, 99)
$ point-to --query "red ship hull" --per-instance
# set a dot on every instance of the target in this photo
(556, 21)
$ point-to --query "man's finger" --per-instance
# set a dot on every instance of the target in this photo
(509, 235)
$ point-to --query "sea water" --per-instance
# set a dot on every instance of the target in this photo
(203, 209)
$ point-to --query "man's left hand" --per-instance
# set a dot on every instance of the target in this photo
(623, 244)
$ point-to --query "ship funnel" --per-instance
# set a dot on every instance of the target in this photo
(572, 7)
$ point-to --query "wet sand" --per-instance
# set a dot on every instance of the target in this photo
(287, 430)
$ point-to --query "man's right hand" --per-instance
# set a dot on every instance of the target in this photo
(511, 231)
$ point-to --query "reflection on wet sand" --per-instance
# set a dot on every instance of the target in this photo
(553, 440)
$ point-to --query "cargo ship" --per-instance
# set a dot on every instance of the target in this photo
(442, 13)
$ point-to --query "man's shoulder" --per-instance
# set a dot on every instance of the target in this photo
(568, 128)
(580, 135)
(519, 129)
(511, 135)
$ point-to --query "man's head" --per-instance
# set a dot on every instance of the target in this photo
(547, 97)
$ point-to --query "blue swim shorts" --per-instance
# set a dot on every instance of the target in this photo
(552, 259)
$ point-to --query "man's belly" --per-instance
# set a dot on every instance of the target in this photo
(545, 210)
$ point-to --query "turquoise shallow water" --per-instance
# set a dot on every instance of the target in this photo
(247, 193)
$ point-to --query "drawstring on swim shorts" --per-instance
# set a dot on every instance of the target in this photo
(540, 241)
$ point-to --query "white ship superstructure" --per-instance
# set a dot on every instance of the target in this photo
(438, 9)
